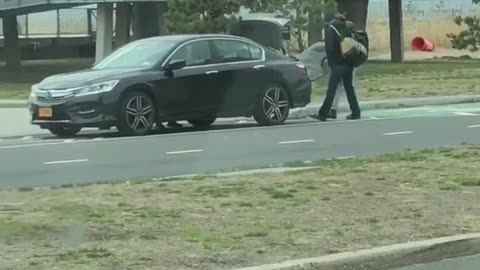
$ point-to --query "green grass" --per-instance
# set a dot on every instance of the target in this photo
(376, 79)
(16, 84)
(383, 80)
(227, 222)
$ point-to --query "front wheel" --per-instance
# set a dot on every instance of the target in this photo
(63, 131)
(273, 106)
(137, 114)
(202, 123)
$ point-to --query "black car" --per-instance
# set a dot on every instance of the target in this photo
(171, 78)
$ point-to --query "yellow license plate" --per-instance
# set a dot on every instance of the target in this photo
(45, 112)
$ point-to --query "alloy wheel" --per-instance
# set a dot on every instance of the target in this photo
(139, 114)
(275, 104)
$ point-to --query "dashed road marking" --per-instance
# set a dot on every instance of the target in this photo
(398, 133)
(26, 138)
(465, 113)
(184, 152)
(474, 126)
(345, 157)
(296, 141)
(65, 161)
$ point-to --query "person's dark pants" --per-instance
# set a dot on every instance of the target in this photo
(337, 73)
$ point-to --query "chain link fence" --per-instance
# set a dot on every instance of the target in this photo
(427, 9)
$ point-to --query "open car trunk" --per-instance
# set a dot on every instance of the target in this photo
(315, 60)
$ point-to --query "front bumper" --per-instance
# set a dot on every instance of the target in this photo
(83, 111)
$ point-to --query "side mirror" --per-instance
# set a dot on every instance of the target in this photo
(176, 64)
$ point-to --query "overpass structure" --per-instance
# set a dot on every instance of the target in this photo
(9, 9)
(142, 25)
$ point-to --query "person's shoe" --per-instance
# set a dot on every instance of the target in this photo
(353, 117)
(333, 114)
(174, 124)
(318, 117)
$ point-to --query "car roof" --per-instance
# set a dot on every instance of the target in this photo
(187, 37)
(278, 21)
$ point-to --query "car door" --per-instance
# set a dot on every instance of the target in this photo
(242, 73)
(188, 91)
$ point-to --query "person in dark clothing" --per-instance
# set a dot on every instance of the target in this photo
(340, 69)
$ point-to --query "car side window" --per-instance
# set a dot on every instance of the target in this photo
(195, 54)
(256, 52)
(233, 51)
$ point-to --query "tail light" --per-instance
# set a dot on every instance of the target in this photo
(302, 70)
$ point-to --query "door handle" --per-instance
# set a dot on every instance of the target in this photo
(211, 72)
(258, 66)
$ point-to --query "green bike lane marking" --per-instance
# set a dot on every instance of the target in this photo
(446, 110)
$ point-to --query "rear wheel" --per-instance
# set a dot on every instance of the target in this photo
(202, 123)
(137, 114)
(64, 131)
(273, 106)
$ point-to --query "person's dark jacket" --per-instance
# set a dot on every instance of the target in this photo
(332, 42)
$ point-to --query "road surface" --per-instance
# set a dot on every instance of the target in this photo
(51, 162)
(463, 263)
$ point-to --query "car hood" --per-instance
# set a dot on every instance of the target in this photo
(84, 77)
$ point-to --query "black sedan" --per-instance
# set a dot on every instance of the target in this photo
(172, 78)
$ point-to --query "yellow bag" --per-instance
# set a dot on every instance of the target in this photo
(351, 49)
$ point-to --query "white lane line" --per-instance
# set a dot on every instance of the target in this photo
(346, 157)
(397, 133)
(296, 141)
(474, 126)
(465, 113)
(65, 161)
(185, 152)
(26, 138)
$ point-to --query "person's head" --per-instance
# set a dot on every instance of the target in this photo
(340, 16)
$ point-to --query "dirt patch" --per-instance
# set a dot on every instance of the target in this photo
(222, 223)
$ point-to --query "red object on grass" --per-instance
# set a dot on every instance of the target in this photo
(422, 44)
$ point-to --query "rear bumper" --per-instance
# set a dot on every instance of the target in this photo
(85, 111)
(302, 95)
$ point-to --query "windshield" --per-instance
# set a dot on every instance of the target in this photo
(140, 54)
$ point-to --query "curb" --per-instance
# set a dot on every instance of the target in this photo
(300, 113)
(386, 257)
(13, 104)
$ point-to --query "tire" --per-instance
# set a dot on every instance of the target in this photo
(137, 114)
(273, 106)
(63, 131)
(202, 123)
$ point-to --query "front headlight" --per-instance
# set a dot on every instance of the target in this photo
(94, 88)
(33, 91)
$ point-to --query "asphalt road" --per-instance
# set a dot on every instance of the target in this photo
(55, 162)
(463, 263)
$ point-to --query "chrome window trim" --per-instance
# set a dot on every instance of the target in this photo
(218, 64)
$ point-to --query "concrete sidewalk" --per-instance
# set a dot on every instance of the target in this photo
(15, 116)
(13, 103)
(313, 108)
(390, 104)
